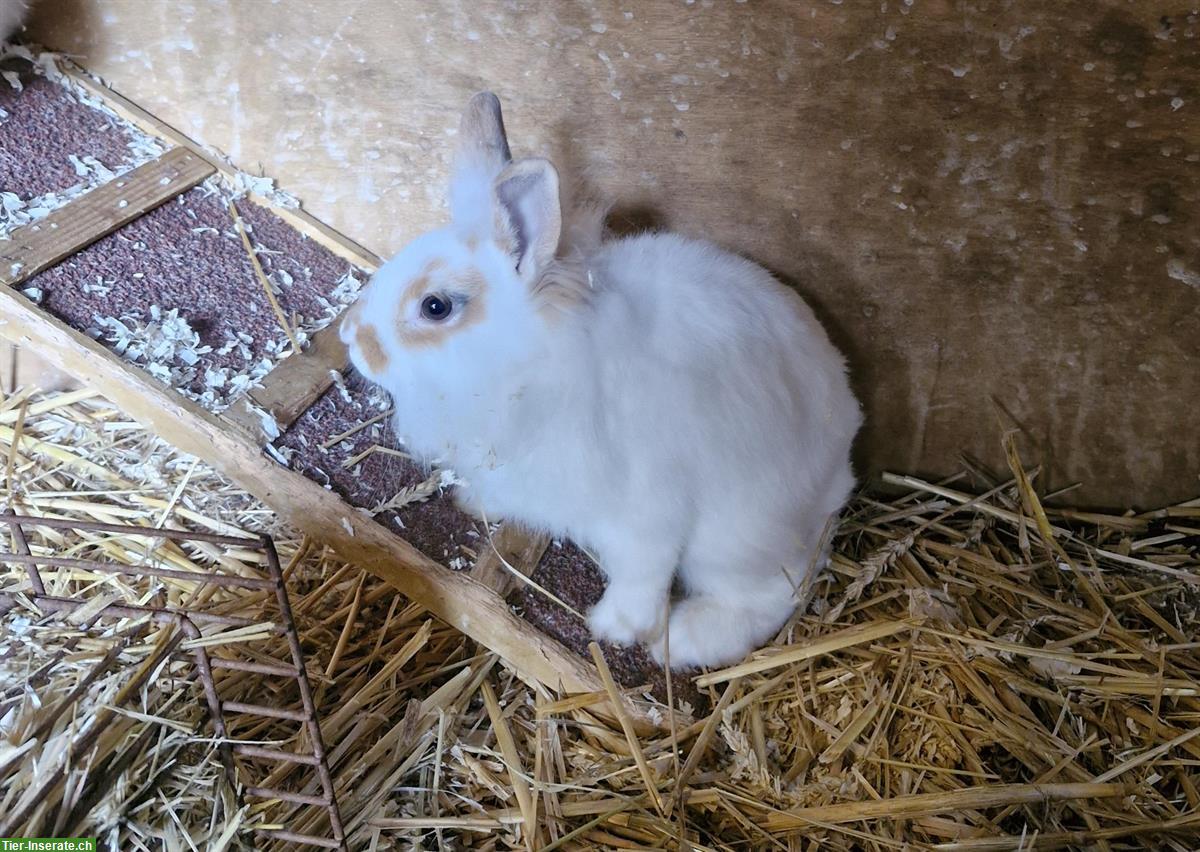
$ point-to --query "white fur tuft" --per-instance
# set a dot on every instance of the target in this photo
(471, 199)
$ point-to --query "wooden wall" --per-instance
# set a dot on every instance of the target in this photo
(995, 205)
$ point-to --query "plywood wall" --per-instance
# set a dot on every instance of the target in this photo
(995, 205)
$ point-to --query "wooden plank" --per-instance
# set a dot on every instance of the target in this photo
(81, 222)
(295, 384)
(298, 218)
(289, 389)
(514, 544)
(453, 596)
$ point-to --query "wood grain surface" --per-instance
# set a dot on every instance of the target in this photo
(993, 205)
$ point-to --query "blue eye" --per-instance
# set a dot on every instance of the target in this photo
(436, 308)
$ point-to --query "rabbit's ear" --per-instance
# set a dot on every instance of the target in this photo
(481, 155)
(481, 138)
(529, 215)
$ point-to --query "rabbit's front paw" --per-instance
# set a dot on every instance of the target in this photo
(709, 631)
(625, 614)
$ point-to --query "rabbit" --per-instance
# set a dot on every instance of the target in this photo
(12, 18)
(668, 405)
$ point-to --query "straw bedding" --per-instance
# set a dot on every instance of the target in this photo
(976, 672)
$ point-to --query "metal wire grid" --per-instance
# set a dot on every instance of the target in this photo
(186, 623)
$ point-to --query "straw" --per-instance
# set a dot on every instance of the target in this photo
(980, 668)
(262, 278)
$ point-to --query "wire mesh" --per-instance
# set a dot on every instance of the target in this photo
(202, 643)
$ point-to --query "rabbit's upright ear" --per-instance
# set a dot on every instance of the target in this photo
(529, 215)
(491, 196)
(481, 155)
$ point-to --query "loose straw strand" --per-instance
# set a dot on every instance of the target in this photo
(262, 278)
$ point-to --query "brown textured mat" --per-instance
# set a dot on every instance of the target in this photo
(187, 257)
(43, 126)
(434, 525)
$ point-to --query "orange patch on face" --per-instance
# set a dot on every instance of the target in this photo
(465, 289)
(368, 343)
(415, 290)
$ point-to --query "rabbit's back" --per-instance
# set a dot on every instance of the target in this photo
(708, 346)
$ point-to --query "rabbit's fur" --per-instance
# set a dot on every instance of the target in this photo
(667, 404)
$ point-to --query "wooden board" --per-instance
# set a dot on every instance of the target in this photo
(293, 386)
(514, 548)
(288, 390)
(75, 226)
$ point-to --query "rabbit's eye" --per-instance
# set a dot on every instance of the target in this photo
(436, 308)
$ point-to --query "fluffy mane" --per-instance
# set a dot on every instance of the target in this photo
(568, 282)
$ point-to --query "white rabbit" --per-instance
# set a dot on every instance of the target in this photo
(12, 18)
(667, 404)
